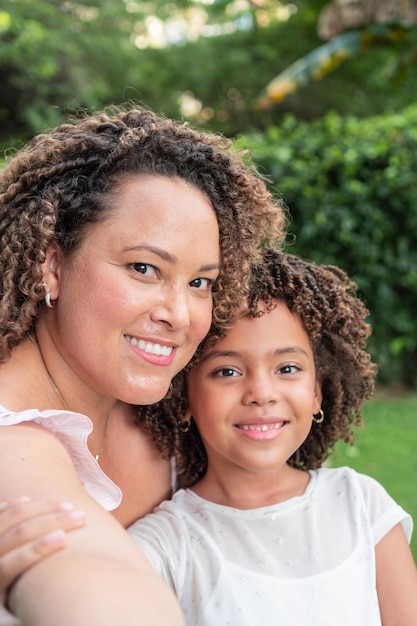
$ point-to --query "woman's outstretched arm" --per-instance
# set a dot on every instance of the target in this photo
(100, 576)
(30, 531)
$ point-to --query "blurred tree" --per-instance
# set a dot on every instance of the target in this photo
(389, 23)
(202, 61)
(58, 56)
(340, 15)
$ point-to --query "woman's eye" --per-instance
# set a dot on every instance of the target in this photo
(144, 268)
(202, 283)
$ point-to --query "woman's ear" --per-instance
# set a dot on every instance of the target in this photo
(51, 269)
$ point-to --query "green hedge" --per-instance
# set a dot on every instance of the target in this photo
(351, 189)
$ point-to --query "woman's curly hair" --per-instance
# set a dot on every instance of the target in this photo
(65, 179)
(324, 299)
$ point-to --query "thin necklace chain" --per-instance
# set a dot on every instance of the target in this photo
(61, 398)
(103, 443)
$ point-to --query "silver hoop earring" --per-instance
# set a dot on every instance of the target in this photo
(48, 301)
(47, 296)
(318, 418)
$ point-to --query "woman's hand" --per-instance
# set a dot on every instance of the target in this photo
(29, 532)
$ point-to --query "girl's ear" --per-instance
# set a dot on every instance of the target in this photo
(51, 268)
(318, 397)
(185, 422)
(186, 417)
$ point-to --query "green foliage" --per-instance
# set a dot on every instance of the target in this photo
(58, 57)
(351, 189)
(314, 66)
(385, 448)
(226, 74)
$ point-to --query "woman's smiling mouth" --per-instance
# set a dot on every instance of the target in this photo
(150, 347)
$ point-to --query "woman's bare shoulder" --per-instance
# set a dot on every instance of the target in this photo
(31, 458)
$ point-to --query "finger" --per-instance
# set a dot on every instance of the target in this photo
(13, 513)
(17, 561)
(7, 505)
(34, 528)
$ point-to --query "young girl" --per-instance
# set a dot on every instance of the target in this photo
(261, 532)
(264, 533)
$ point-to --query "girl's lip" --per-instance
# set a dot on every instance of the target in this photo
(260, 420)
(261, 425)
(261, 430)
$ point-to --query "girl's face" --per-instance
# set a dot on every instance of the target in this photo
(134, 301)
(254, 393)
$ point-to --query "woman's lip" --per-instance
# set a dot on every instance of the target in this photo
(152, 351)
(154, 347)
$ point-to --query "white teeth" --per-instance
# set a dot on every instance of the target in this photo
(147, 346)
(262, 427)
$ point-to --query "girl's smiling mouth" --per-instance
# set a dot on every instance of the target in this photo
(261, 431)
(262, 427)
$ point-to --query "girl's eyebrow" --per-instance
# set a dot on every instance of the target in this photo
(216, 354)
(291, 350)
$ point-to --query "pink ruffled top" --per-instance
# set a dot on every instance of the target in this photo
(72, 429)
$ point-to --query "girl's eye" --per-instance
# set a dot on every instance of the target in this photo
(202, 283)
(289, 369)
(144, 268)
(225, 372)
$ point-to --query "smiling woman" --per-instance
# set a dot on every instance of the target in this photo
(124, 237)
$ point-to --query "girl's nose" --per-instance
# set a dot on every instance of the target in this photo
(261, 390)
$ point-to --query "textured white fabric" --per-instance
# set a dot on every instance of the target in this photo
(72, 429)
(309, 561)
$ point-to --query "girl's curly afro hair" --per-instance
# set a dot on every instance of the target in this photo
(324, 299)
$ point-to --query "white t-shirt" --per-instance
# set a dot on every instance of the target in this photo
(308, 561)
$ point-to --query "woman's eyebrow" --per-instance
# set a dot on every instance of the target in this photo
(168, 257)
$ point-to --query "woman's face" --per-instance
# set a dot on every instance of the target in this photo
(134, 301)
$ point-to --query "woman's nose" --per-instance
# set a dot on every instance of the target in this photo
(173, 308)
